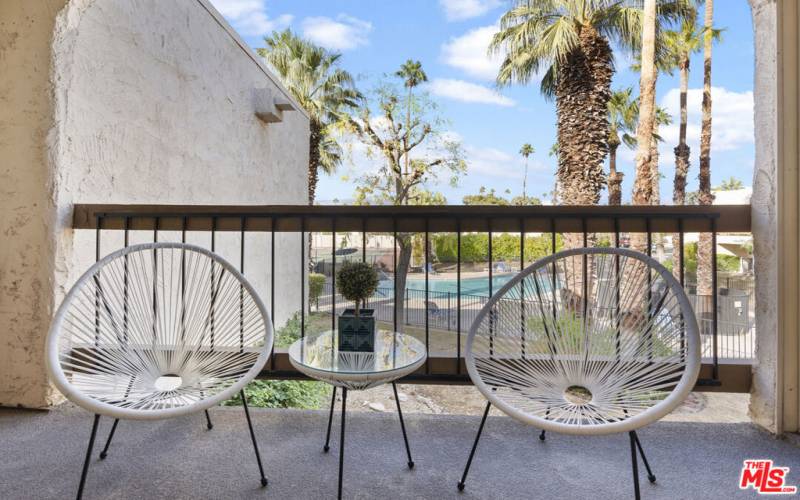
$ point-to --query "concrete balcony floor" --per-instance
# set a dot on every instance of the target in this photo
(42, 454)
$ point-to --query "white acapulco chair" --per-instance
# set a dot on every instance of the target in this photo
(587, 341)
(156, 331)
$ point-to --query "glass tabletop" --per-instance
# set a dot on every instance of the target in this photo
(393, 351)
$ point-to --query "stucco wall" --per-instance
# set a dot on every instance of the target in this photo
(26, 203)
(151, 102)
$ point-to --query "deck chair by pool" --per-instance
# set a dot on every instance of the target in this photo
(588, 341)
(157, 331)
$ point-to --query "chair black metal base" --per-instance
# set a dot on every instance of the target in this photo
(104, 453)
(326, 448)
(636, 445)
(636, 450)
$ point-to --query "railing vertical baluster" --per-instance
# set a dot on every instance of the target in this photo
(97, 282)
(617, 322)
(125, 283)
(714, 312)
(394, 273)
(427, 295)
(649, 291)
(522, 284)
(681, 278)
(243, 224)
(364, 255)
(183, 280)
(213, 281)
(491, 291)
(303, 280)
(458, 296)
(333, 273)
(272, 287)
(155, 279)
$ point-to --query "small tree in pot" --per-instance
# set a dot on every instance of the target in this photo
(357, 281)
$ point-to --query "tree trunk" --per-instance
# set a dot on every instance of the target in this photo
(614, 177)
(704, 177)
(682, 152)
(643, 183)
(313, 159)
(583, 89)
(401, 272)
(655, 176)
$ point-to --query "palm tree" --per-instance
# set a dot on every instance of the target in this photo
(705, 197)
(412, 74)
(325, 91)
(679, 45)
(568, 41)
(662, 118)
(643, 183)
(526, 151)
(622, 114)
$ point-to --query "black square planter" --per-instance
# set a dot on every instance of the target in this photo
(357, 334)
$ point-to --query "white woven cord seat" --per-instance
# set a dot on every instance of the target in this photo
(586, 341)
(156, 331)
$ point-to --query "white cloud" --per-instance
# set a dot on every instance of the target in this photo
(469, 53)
(343, 33)
(458, 10)
(731, 115)
(249, 17)
(460, 90)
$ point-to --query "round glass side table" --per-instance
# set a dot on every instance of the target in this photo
(395, 356)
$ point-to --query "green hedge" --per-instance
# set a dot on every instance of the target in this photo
(475, 247)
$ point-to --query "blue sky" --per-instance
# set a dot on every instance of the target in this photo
(449, 37)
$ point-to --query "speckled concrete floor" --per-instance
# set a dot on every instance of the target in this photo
(42, 453)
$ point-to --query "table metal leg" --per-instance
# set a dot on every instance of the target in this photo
(403, 426)
(341, 441)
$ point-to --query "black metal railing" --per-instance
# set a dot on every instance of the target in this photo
(441, 318)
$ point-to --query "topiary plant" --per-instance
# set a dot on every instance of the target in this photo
(357, 281)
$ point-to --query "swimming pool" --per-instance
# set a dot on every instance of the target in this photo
(469, 286)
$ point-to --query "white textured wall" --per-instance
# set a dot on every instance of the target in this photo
(152, 103)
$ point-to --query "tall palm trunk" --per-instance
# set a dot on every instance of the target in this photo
(614, 177)
(705, 197)
(525, 183)
(681, 160)
(313, 159)
(643, 184)
(583, 89)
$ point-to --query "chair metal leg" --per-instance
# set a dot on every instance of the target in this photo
(209, 425)
(635, 466)
(462, 483)
(650, 476)
(403, 426)
(104, 453)
(330, 420)
(253, 437)
(88, 457)
(542, 436)
(341, 441)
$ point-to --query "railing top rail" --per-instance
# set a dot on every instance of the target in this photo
(449, 218)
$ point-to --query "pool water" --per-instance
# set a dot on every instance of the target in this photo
(469, 286)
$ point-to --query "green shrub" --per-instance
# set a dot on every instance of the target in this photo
(307, 395)
(316, 282)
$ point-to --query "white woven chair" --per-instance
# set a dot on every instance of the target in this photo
(156, 331)
(587, 341)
